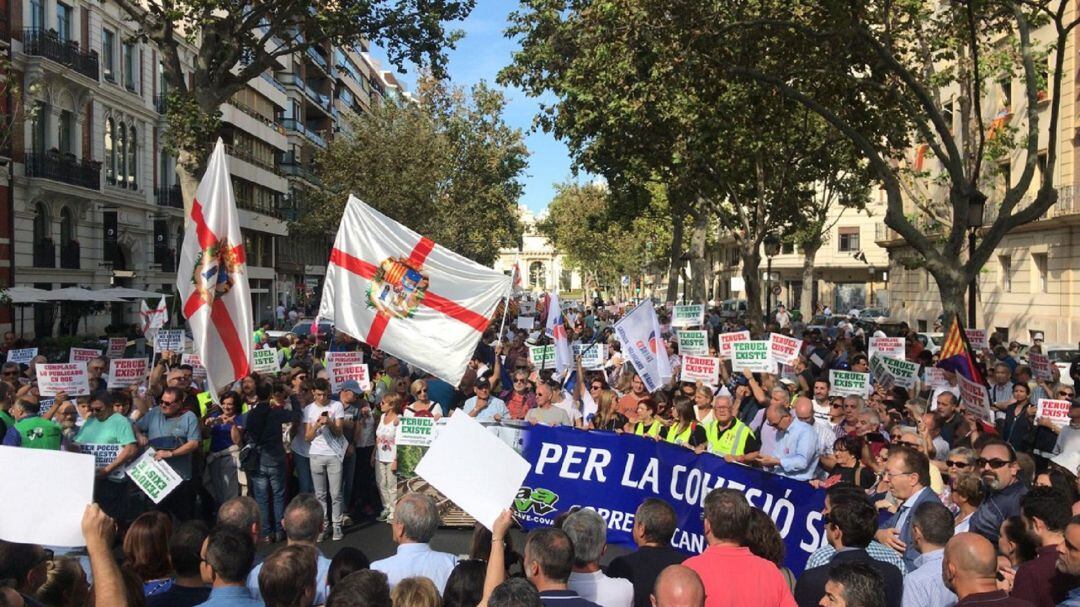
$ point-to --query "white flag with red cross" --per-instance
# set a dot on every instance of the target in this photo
(212, 279)
(400, 292)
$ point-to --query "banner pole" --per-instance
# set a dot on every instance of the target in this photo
(506, 303)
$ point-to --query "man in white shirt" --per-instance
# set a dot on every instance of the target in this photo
(416, 518)
(782, 317)
(588, 532)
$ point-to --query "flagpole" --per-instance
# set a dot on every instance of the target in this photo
(506, 303)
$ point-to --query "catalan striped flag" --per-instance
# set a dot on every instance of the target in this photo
(957, 356)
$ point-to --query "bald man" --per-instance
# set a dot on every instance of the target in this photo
(826, 432)
(969, 569)
(678, 586)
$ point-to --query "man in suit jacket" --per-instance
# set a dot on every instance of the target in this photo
(654, 524)
(849, 528)
(908, 471)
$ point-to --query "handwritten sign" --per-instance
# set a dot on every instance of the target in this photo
(701, 368)
(784, 349)
(751, 356)
(342, 373)
(22, 356)
(977, 338)
(344, 358)
(415, 431)
(1041, 366)
(124, 372)
(266, 360)
(542, 357)
(692, 315)
(69, 378)
(726, 339)
(1057, 411)
(103, 456)
(893, 347)
(169, 341)
(198, 371)
(117, 346)
(156, 479)
(935, 377)
(525, 322)
(975, 398)
(694, 343)
(82, 355)
(848, 383)
(592, 357)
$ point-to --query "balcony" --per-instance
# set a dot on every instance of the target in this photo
(318, 59)
(169, 196)
(318, 99)
(161, 103)
(297, 169)
(292, 124)
(69, 255)
(272, 209)
(273, 82)
(65, 169)
(44, 254)
(47, 44)
(250, 158)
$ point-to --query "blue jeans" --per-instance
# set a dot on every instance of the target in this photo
(269, 484)
(348, 468)
(303, 474)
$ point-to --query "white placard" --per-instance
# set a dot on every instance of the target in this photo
(694, 343)
(527, 308)
(45, 493)
(339, 374)
(125, 372)
(592, 356)
(726, 339)
(893, 347)
(935, 377)
(415, 431)
(751, 356)
(701, 368)
(82, 355)
(69, 378)
(473, 468)
(784, 349)
(738, 284)
(171, 340)
(1057, 411)
(525, 322)
(899, 372)
(978, 338)
(1041, 366)
(157, 479)
(848, 383)
(198, 371)
(117, 346)
(22, 356)
(344, 358)
(692, 315)
(975, 398)
(542, 357)
(265, 360)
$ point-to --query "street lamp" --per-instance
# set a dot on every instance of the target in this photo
(772, 248)
(976, 211)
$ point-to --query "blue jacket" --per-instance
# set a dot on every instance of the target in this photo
(996, 508)
(907, 535)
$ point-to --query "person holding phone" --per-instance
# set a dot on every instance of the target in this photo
(324, 429)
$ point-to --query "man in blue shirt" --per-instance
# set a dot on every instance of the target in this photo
(484, 406)
(796, 452)
(303, 521)
(226, 555)
(932, 525)
(174, 434)
(416, 518)
(908, 471)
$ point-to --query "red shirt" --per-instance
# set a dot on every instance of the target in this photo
(733, 577)
(1039, 582)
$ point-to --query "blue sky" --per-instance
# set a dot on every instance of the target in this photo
(479, 55)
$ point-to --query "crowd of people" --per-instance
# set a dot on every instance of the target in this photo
(926, 503)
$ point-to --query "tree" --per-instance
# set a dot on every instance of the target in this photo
(447, 166)
(235, 41)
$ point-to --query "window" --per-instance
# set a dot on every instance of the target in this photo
(132, 162)
(537, 275)
(42, 231)
(1041, 163)
(110, 152)
(1006, 91)
(41, 115)
(108, 55)
(63, 132)
(129, 66)
(1039, 284)
(37, 15)
(947, 114)
(63, 21)
(67, 227)
(1005, 261)
(848, 240)
(1005, 169)
(121, 153)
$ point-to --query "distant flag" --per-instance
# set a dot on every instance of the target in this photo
(556, 330)
(153, 319)
(957, 356)
(517, 275)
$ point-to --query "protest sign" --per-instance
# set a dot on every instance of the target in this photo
(117, 346)
(701, 368)
(69, 378)
(784, 349)
(339, 374)
(893, 347)
(82, 355)
(1040, 366)
(935, 377)
(103, 456)
(977, 338)
(1057, 411)
(751, 356)
(169, 341)
(694, 343)
(44, 404)
(692, 315)
(527, 308)
(198, 371)
(265, 360)
(344, 358)
(157, 479)
(848, 383)
(975, 398)
(525, 322)
(542, 357)
(125, 372)
(902, 371)
(45, 493)
(593, 356)
(415, 431)
(726, 339)
(458, 464)
(22, 356)
(613, 474)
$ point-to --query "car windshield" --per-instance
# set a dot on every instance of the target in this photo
(936, 339)
(304, 328)
(1062, 356)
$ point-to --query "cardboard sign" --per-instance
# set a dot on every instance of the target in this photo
(1041, 366)
(694, 343)
(527, 308)
(22, 356)
(935, 377)
(344, 358)
(198, 371)
(1057, 411)
(69, 378)
(848, 383)
(82, 355)
(415, 431)
(692, 315)
(893, 347)
(156, 479)
(169, 341)
(45, 494)
(701, 368)
(117, 346)
(339, 374)
(784, 349)
(977, 338)
(525, 322)
(751, 356)
(975, 398)
(103, 456)
(542, 357)
(266, 360)
(124, 372)
(593, 357)
(726, 339)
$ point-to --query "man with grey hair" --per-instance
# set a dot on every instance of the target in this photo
(588, 534)
(242, 513)
(303, 522)
(416, 517)
(728, 437)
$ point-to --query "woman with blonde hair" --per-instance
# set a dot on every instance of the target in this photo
(415, 592)
(65, 584)
(384, 457)
(422, 406)
(703, 397)
(607, 414)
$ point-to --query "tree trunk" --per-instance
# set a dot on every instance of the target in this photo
(697, 258)
(952, 289)
(674, 263)
(806, 299)
(188, 181)
(751, 272)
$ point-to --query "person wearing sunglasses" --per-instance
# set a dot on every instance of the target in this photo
(483, 406)
(520, 398)
(1000, 473)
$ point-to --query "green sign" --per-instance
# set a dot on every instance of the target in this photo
(692, 315)
(542, 357)
(848, 383)
(418, 431)
(266, 360)
(695, 343)
(751, 356)
(156, 478)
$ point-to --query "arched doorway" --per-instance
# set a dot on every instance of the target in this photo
(537, 275)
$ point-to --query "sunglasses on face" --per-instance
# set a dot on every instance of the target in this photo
(960, 465)
(907, 443)
(6, 373)
(994, 463)
(596, 388)
(1066, 394)
(520, 381)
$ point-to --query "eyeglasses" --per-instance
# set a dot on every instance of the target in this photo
(995, 463)
(952, 464)
(596, 387)
(906, 443)
(421, 390)
(11, 373)
(892, 474)
(520, 381)
(1066, 394)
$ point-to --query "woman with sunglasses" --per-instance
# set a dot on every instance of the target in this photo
(422, 406)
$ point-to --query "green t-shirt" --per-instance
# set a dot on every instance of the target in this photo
(116, 430)
(7, 419)
(39, 433)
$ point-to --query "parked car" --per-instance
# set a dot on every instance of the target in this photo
(874, 314)
(303, 329)
(1062, 355)
(732, 308)
(931, 341)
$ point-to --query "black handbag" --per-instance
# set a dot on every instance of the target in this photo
(251, 452)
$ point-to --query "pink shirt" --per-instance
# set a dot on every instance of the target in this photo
(733, 577)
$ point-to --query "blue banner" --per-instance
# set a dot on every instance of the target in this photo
(614, 473)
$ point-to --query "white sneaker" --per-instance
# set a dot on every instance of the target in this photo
(338, 535)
